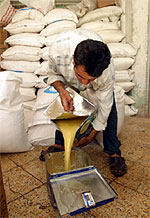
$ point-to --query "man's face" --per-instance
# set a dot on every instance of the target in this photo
(82, 75)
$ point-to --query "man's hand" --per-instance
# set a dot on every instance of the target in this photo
(86, 140)
(66, 99)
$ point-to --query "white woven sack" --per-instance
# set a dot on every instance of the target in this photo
(26, 66)
(42, 83)
(127, 86)
(28, 79)
(27, 13)
(129, 100)
(123, 63)
(29, 104)
(58, 27)
(99, 25)
(22, 53)
(58, 14)
(12, 133)
(130, 110)
(48, 41)
(43, 69)
(27, 94)
(81, 8)
(124, 76)
(45, 96)
(39, 118)
(43, 6)
(100, 13)
(42, 135)
(25, 26)
(111, 36)
(28, 39)
(28, 115)
(45, 53)
(122, 50)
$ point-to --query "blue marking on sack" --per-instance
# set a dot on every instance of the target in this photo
(24, 9)
(17, 71)
(49, 90)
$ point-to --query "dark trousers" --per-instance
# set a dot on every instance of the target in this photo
(110, 139)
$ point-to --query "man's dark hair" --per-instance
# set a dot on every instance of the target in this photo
(93, 55)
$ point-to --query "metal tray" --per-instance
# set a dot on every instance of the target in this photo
(79, 190)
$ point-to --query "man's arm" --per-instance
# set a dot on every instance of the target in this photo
(65, 97)
(86, 140)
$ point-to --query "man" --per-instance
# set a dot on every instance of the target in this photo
(80, 59)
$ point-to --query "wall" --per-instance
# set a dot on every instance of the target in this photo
(137, 30)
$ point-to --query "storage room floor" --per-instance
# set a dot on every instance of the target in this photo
(24, 177)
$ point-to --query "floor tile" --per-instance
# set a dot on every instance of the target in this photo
(6, 163)
(37, 169)
(18, 182)
(27, 157)
(129, 204)
(35, 204)
(137, 178)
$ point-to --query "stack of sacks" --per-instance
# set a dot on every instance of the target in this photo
(13, 135)
(57, 21)
(41, 128)
(105, 21)
(124, 57)
(24, 54)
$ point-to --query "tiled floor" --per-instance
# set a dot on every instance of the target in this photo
(24, 178)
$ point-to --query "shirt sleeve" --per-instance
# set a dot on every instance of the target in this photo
(53, 74)
(104, 95)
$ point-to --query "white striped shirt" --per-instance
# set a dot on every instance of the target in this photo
(62, 69)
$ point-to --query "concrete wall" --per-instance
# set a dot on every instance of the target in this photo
(137, 30)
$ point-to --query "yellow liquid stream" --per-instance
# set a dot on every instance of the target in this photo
(69, 128)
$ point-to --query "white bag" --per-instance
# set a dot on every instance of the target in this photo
(123, 63)
(122, 50)
(100, 13)
(42, 83)
(28, 115)
(48, 41)
(22, 53)
(129, 99)
(29, 39)
(59, 14)
(25, 26)
(130, 110)
(42, 135)
(12, 133)
(111, 36)
(45, 96)
(124, 76)
(29, 104)
(27, 94)
(26, 66)
(43, 6)
(43, 69)
(27, 13)
(29, 80)
(99, 25)
(45, 53)
(41, 130)
(58, 27)
(127, 86)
